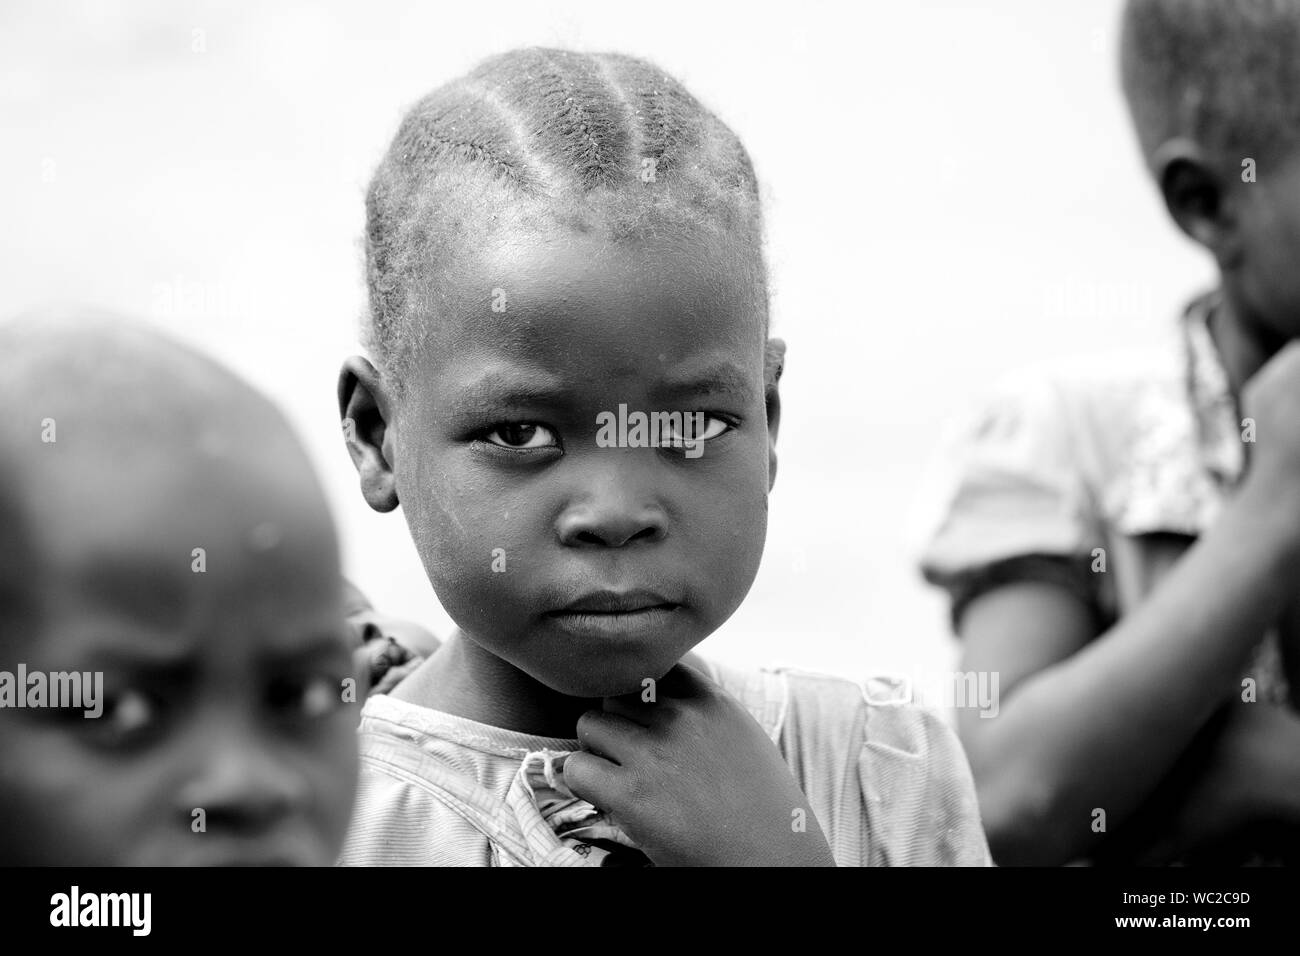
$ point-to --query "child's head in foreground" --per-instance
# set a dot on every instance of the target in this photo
(549, 238)
(162, 526)
(1214, 90)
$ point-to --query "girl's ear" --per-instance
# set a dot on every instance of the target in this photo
(365, 406)
(773, 366)
(1200, 199)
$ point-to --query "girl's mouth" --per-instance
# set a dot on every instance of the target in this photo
(616, 603)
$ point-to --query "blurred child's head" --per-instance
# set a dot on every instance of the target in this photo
(1212, 88)
(162, 526)
(552, 237)
(368, 625)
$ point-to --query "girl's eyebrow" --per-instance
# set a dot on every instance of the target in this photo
(495, 388)
(725, 377)
(499, 387)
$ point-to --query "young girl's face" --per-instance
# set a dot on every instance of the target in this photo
(590, 568)
(223, 737)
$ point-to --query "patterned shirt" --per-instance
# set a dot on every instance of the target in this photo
(1098, 475)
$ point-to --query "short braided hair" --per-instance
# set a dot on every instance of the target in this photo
(542, 137)
(1225, 73)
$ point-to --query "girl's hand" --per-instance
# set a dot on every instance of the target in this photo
(693, 780)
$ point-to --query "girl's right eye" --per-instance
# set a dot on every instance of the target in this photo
(518, 436)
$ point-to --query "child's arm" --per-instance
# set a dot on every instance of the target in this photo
(1087, 725)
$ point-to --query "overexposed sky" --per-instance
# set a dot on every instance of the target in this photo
(952, 191)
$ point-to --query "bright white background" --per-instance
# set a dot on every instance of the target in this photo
(952, 191)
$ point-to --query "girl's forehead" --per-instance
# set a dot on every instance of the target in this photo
(541, 285)
(626, 337)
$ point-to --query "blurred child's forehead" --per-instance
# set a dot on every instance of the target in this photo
(146, 472)
(137, 571)
(163, 504)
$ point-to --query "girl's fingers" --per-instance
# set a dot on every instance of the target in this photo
(608, 735)
(592, 778)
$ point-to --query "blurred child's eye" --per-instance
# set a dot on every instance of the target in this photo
(128, 719)
(520, 435)
(307, 698)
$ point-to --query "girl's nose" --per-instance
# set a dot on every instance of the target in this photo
(614, 513)
(609, 527)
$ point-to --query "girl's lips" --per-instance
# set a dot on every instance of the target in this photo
(641, 621)
(616, 602)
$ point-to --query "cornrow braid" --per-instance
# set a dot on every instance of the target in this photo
(535, 137)
(579, 122)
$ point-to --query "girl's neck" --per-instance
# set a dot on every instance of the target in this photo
(465, 680)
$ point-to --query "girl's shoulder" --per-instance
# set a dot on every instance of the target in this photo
(883, 772)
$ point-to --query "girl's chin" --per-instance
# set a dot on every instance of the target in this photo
(596, 682)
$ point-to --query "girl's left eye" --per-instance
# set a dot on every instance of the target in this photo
(713, 427)
(518, 435)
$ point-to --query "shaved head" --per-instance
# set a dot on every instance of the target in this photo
(117, 383)
(1221, 72)
(102, 415)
